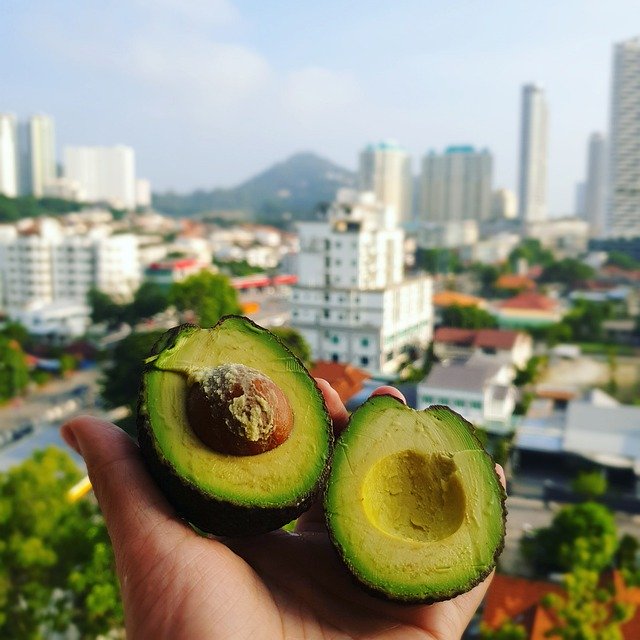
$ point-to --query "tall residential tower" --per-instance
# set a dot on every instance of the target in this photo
(596, 184)
(37, 155)
(8, 155)
(456, 185)
(624, 176)
(385, 169)
(532, 188)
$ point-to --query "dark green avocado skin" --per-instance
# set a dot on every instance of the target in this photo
(211, 515)
(398, 598)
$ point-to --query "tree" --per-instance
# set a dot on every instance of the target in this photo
(148, 300)
(438, 260)
(120, 383)
(628, 559)
(531, 371)
(56, 564)
(532, 251)
(567, 271)
(622, 260)
(586, 318)
(209, 295)
(507, 631)
(579, 533)
(590, 484)
(588, 611)
(295, 341)
(14, 373)
(104, 309)
(467, 317)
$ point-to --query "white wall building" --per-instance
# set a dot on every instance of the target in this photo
(595, 190)
(479, 390)
(456, 185)
(8, 155)
(105, 174)
(352, 303)
(37, 151)
(532, 191)
(43, 263)
(504, 204)
(385, 169)
(624, 133)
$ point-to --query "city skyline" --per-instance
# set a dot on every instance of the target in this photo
(182, 81)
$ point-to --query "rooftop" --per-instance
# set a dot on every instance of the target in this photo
(468, 376)
(482, 338)
(450, 298)
(346, 379)
(530, 300)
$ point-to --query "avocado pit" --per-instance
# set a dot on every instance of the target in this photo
(414, 496)
(237, 410)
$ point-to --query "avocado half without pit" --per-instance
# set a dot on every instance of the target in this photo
(414, 505)
(233, 428)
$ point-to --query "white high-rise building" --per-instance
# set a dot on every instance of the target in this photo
(8, 155)
(43, 262)
(532, 191)
(456, 185)
(596, 184)
(624, 136)
(37, 145)
(105, 174)
(385, 169)
(352, 302)
(504, 204)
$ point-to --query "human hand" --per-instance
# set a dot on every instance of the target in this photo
(177, 584)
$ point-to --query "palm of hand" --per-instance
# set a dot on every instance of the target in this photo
(177, 584)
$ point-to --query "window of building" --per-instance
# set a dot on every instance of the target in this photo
(325, 313)
(389, 356)
(427, 399)
(364, 361)
(327, 261)
(335, 357)
(327, 244)
(459, 403)
(335, 339)
(326, 297)
(364, 342)
(443, 401)
(476, 404)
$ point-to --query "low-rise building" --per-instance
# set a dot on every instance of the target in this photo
(57, 322)
(513, 347)
(479, 389)
(166, 272)
(528, 310)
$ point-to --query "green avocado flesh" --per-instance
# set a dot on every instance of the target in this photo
(413, 503)
(221, 493)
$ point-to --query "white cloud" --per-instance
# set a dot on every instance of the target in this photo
(317, 92)
(198, 13)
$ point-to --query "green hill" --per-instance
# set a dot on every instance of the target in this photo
(295, 186)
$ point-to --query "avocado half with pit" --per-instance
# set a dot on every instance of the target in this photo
(414, 505)
(232, 427)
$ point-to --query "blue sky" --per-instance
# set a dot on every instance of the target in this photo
(209, 92)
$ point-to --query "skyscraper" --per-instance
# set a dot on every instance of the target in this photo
(37, 155)
(596, 184)
(624, 177)
(456, 185)
(385, 169)
(104, 174)
(8, 155)
(532, 188)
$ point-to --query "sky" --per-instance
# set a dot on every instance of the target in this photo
(210, 92)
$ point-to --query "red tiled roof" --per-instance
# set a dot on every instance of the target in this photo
(513, 281)
(518, 599)
(530, 300)
(344, 378)
(483, 338)
(450, 298)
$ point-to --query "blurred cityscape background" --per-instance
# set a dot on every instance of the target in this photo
(488, 259)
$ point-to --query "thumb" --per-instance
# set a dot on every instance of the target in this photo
(132, 505)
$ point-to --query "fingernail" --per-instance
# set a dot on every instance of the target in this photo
(70, 438)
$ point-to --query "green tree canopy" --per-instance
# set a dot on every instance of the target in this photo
(56, 564)
(104, 309)
(567, 271)
(590, 484)
(296, 343)
(507, 631)
(532, 251)
(14, 372)
(209, 295)
(467, 317)
(588, 611)
(578, 534)
(148, 300)
(120, 382)
(438, 260)
(622, 260)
